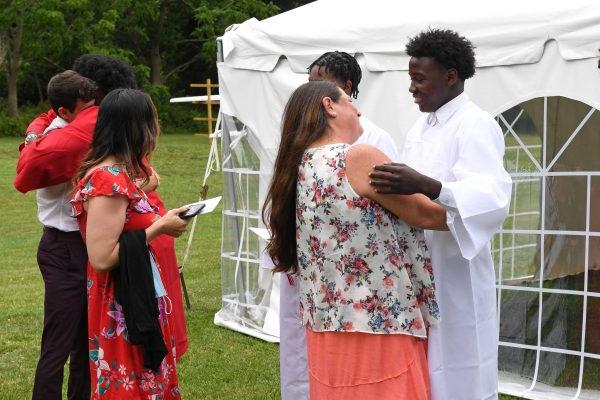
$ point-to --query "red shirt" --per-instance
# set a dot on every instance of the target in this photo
(55, 158)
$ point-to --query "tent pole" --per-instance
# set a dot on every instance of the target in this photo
(229, 178)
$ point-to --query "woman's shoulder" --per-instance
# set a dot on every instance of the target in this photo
(108, 180)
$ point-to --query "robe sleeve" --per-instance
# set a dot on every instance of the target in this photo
(41, 122)
(478, 199)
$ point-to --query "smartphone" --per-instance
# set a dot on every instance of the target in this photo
(192, 211)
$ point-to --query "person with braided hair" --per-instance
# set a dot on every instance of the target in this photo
(342, 69)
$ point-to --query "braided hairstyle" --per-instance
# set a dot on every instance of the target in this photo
(342, 66)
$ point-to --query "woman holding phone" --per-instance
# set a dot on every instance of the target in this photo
(108, 205)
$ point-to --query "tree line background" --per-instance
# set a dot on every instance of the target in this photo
(169, 43)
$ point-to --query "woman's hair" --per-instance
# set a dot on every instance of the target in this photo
(126, 129)
(304, 121)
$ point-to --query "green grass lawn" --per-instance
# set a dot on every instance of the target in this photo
(220, 364)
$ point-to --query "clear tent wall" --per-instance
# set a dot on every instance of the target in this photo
(246, 283)
(547, 255)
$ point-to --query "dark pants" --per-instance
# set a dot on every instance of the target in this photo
(62, 259)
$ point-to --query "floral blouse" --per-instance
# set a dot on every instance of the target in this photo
(360, 268)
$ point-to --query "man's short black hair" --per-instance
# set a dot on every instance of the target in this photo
(446, 47)
(107, 72)
(65, 88)
(342, 66)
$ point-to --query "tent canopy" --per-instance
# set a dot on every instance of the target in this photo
(537, 71)
(505, 33)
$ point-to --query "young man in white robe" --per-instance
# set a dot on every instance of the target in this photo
(454, 154)
(342, 69)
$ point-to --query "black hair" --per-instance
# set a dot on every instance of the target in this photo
(447, 48)
(65, 88)
(126, 129)
(107, 72)
(342, 66)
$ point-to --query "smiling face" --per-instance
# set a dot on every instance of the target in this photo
(431, 84)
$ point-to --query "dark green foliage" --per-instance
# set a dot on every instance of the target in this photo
(167, 42)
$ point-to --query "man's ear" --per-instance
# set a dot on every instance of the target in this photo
(328, 107)
(452, 76)
(64, 113)
(347, 87)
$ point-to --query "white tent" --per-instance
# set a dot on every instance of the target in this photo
(537, 73)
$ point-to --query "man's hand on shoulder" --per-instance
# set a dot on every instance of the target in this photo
(397, 178)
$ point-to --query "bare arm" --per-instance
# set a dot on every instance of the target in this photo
(416, 210)
(106, 218)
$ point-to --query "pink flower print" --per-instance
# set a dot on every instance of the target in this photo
(344, 235)
(301, 176)
(127, 383)
(330, 297)
(388, 281)
(143, 206)
(101, 364)
(371, 303)
(394, 259)
(147, 380)
(118, 316)
(427, 265)
(349, 279)
(122, 370)
(350, 204)
(341, 173)
(360, 267)
(357, 307)
(416, 324)
(348, 326)
(108, 333)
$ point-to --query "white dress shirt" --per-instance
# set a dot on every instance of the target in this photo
(375, 136)
(462, 146)
(54, 206)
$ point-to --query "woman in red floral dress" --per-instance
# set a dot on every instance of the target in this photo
(107, 202)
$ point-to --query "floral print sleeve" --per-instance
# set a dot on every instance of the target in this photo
(110, 181)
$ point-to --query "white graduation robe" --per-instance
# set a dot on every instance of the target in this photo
(462, 146)
(292, 339)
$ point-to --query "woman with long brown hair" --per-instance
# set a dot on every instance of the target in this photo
(364, 274)
(130, 338)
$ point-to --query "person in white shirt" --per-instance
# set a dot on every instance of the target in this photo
(454, 155)
(343, 70)
(68, 94)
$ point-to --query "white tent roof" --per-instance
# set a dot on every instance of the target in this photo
(505, 32)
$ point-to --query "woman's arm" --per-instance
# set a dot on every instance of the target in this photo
(416, 210)
(105, 221)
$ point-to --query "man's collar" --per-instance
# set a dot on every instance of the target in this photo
(443, 114)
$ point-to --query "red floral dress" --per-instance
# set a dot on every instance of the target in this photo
(116, 366)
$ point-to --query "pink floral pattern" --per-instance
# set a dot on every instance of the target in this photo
(361, 269)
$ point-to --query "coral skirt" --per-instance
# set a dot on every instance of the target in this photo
(363, 366)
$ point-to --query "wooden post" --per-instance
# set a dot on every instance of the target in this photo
(209, 103)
